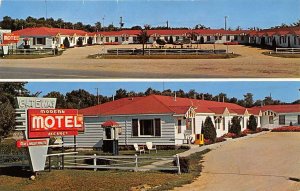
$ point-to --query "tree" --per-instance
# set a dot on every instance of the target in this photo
(78, 99)
(252, 124)
(7, 117)
(98, 26)
(248, 98)
(136, 28)
(60, 99)
(235, 125)
(143, 37)
(66, 42)
(121, 93)
(209, 130)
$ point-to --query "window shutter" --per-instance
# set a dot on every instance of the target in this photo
(157, 127)
(135, 128)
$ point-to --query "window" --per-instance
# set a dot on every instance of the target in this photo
(146, 127)
(177, 38)
(41, 41)
(220, 37)
(216, 37)
(228, 38)
(218, 122)
(208, 38)
(179, 125)
(242, 38)
(166, 38)
(135, 127)
(116, 39)
(194, 125)
(295, 40)
(134, 39)
(123, 38)
(224, 124)
(107, 39)
(281, 119)
(235, 37)
(189, 124)
(298, 119)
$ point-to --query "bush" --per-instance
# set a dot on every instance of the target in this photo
(209, 130)
(252, 124)
(287, 129)
(235, 126)
(66, 42)
(184, 164)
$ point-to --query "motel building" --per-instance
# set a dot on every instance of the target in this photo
(44, 37)
(169, 121)
(163, 120)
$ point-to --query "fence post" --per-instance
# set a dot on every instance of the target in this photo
(178, 164)
(117, 52)
(136, 163)
(49, 163)
(276, 50)
(95, 162)
(165, 51)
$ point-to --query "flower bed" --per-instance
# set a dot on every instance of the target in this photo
(287, 129)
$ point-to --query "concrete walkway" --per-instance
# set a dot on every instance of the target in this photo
(195, 149)
(269, 161)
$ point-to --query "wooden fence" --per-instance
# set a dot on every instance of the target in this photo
(287, 50)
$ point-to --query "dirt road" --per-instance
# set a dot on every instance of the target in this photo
(251, 63)
(260, 163)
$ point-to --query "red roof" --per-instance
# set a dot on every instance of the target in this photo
(110, 123)
(279, 108)
(45, 31)
(156, 104)
(276, 31)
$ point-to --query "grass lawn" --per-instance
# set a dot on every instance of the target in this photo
(201, 56)
(282, 55)
(110, 180)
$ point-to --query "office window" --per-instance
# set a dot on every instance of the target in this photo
(281, 119)
(135, 127)
(40, 41)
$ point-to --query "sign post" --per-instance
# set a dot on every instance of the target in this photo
(41, 121)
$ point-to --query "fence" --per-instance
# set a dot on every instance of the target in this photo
(287, 50)
(171, 51)
(33, 51)
(13, 160)
(134, 163)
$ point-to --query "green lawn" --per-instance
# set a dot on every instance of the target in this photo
(17, 179)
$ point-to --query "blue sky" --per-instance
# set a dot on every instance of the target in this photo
(244, 13)
(284, 91)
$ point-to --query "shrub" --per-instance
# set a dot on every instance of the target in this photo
(287, 129)
(184, 164)
(220, 139)
(235, 126)
(209, 130)
(66, 43)
(230, 135)
(252, 124)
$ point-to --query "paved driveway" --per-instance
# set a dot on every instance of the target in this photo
(261, 163)
(251, 63)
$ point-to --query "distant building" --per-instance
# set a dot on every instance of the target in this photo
(279, 115)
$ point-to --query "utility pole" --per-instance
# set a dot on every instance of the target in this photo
(46, 9)
(98, 101)
(121, 22)
(167, 24)
(103, 18)
(226, 22)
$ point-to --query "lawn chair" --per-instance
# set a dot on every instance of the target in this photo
(139, 149)
(150, 147)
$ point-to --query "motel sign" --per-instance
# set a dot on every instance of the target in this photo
(10, 38)
(43, 123)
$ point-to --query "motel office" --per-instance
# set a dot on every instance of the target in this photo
(166, 120)
(44, 37)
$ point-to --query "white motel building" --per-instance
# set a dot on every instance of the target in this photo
(166, 120)
(44, 37)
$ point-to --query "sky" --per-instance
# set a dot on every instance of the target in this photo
(287, 91)
(243, 13)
